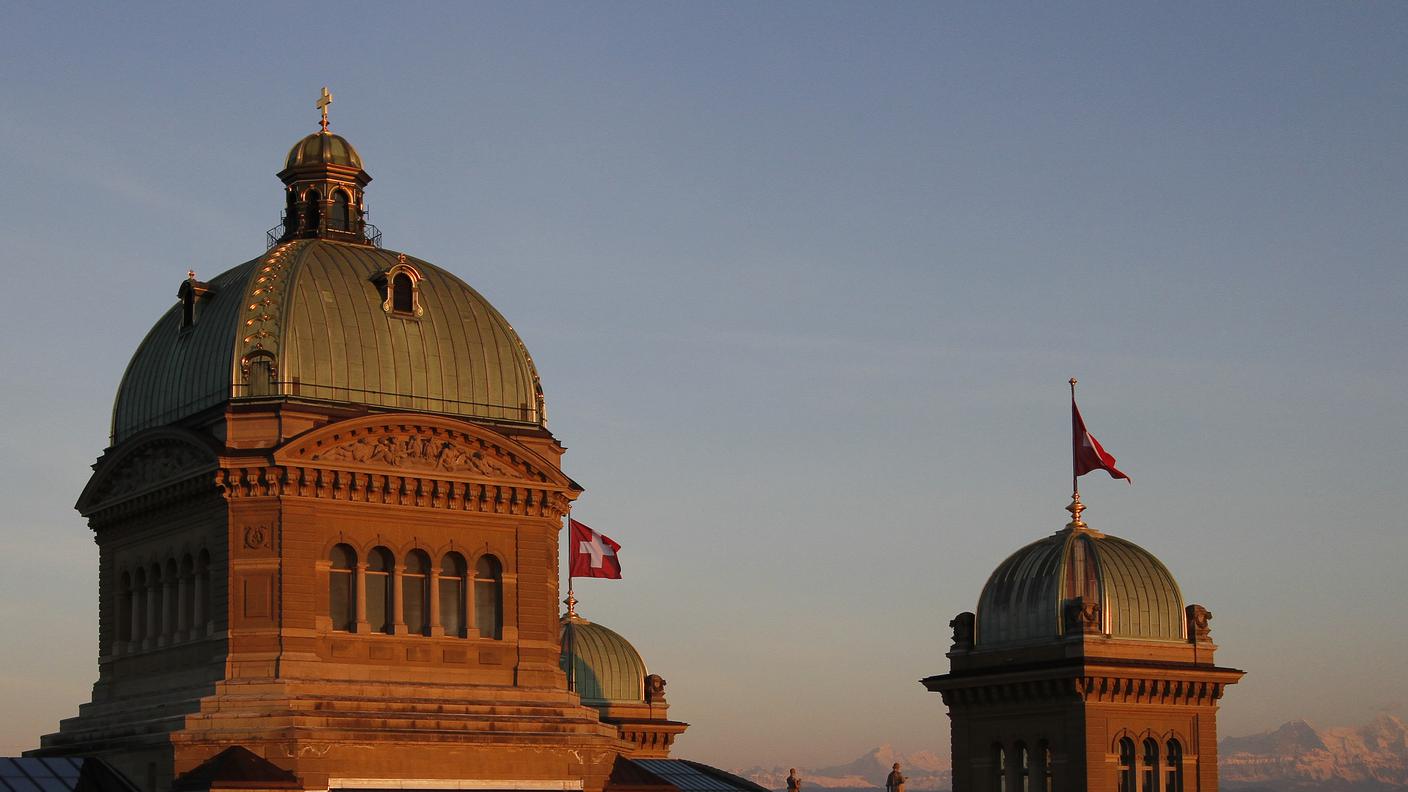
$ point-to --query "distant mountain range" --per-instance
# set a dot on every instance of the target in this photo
(1300, 758)
(923, 770)
(1296, 757)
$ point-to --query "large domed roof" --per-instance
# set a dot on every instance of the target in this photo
(323, 148)
(316, 315)
(604, 666)
(1029, 596)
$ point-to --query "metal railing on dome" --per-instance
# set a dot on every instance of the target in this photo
(370, 234)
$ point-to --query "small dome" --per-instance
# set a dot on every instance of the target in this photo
(1026, 599)
(323, 148)
(605, 668)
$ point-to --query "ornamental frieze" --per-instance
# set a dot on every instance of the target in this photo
(414, 452)
(143, 467)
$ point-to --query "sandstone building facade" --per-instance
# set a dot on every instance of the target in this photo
(1083, 670)
(328, 531)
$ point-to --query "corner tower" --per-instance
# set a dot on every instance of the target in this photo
(1083, 670)
(327, 528)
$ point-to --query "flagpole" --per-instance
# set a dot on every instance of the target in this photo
(571, 603)
(1075, 485)
(1076, 506)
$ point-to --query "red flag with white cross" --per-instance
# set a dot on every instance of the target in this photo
(592, 555)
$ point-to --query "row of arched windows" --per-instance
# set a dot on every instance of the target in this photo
(163, 604)
(1024, 769)
(1142, 771)
(363, 596)
(340, 211)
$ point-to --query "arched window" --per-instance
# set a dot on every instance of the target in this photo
(1126, 765)
(171, 601)
(999, 769)
(1024, 768)
(205, 597)
(1044, 751)
(415, 593)
(379, 565)
(290, 212)
(155, 607)
(124, 609)
(452, 590)
(489, 597)
(139, 606)
(314, 213)
(1150, 766)
(402, 294)
(1174, 762)
(342, 592)
(187, 589)
(340, 215)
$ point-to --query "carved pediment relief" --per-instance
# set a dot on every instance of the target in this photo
(427, 445)
(413, 452)
(145, 463)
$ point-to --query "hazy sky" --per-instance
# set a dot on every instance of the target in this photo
(805, 283)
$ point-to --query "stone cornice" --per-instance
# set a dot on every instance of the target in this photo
(516, 498)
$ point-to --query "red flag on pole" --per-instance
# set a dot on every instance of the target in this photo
(592, 555)
(1088, 453)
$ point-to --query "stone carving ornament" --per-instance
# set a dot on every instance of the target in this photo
(1198, 628)
(1083, 617)
(655, 689)
(152, 465)
(418, 453)
(962, 625)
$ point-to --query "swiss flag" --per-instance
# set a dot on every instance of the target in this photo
(592, 555)
(1088, 453)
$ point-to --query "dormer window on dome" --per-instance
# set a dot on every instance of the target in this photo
(192, 294)
(400, 289)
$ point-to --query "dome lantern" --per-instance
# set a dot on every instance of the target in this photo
(324, 185)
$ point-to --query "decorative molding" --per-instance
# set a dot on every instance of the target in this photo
(416, 444)
(397, 490)
(150, 464)
(420, 452)
(258, 537)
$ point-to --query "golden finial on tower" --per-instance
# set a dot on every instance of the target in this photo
(323, 102)
(1075, 509)
(571, 603)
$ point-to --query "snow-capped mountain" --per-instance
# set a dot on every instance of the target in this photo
(924, 770)
(1299, 758)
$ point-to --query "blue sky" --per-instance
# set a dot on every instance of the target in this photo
(805, 283)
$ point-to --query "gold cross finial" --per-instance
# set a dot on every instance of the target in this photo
(323, 102)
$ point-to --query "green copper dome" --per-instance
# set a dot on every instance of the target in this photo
(323, 148)
(605, 668)
(1031, 597)
(321, 320)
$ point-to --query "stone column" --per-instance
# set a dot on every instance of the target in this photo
(436, 628)
(137, 627)
(363, 626)
(471, 625)
(398, 616)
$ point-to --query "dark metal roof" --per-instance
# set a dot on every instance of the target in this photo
(60, 774)
(696, 777)
(603, 665)
(314, 307)
(1023, 600)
